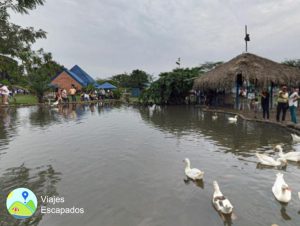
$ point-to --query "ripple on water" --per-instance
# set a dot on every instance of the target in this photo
(125, 165)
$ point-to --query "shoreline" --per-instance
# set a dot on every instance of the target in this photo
(246, 115)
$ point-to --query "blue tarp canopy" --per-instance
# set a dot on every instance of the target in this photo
(107, 85)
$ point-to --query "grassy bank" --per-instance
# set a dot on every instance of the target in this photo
(23, 99)
(30, 99)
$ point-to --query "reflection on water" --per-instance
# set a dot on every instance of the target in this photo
(41, 180)
(239, 138)
(124, 165)
(198, 183)
(284, 213)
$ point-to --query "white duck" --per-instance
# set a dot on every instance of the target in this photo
(296, 138)
(233, 119)
(194, 174)
(152, 107)
(215, 116)
(220, 202)
(55, 103)
(281, 190)
(291, 156)
(269, 161)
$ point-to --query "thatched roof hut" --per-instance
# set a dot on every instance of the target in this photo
(252, 68)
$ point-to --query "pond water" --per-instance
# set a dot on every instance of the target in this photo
(123, 165)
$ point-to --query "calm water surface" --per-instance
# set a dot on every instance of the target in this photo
(124, 166)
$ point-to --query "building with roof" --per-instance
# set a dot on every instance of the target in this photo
(248, 72)
(75, 76)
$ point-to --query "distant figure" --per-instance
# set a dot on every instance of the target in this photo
(293, 104)
(243, 98)
(4, 91)
(265, 104)
(92, 95)
(282, 103)
(72, 92)
(64, 96)
(101, 94)
(86, 96)
(58, 98)
(254, 105)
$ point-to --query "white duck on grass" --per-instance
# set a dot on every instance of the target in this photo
(291, 156)
(269, 161)
(233, 119)
(296, 138)
(281, 190)
(194, 174)
(220, 202)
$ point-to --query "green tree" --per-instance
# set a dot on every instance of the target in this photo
(41, 67)
(293, 63)
(139, 79)
(172, 87)
(120, 80)
(10, 71)
(15, 40)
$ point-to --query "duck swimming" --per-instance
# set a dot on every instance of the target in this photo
(291, 156)
(194, 173)
(220, 202)
(281, 190)
(269, 161)
(233, 119)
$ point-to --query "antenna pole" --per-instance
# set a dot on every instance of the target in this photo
(246, 39)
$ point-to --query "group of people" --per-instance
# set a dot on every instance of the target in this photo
(62, 95)
(285, 100)
(96, 95)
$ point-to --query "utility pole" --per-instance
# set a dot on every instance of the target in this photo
(247, 38)
(178, 62)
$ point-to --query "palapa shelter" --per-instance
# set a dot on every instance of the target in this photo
(247, 70)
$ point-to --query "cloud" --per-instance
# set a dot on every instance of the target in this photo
(113, 36)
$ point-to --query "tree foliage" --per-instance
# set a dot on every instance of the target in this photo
(293, 63)
(41, 67)
(172, 87)
(15, 40)
(136, 79)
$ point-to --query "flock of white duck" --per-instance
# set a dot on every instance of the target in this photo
(280, 189)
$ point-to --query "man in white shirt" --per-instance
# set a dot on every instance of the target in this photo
(5, 93)
(293, 104)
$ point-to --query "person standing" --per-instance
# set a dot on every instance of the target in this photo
(282, 103)
(293, 104)
(72, 92)
(64, 96)
(265, 96)
(5, 93)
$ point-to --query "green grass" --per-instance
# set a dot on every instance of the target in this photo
(23, 99)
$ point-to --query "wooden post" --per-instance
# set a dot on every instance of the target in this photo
(246, 39)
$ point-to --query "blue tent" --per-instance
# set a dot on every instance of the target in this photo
(107, 85)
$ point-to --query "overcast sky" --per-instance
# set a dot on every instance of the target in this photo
(107, 37)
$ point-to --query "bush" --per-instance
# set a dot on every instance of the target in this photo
(117, 94)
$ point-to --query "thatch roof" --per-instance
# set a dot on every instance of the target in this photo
(255, 69)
